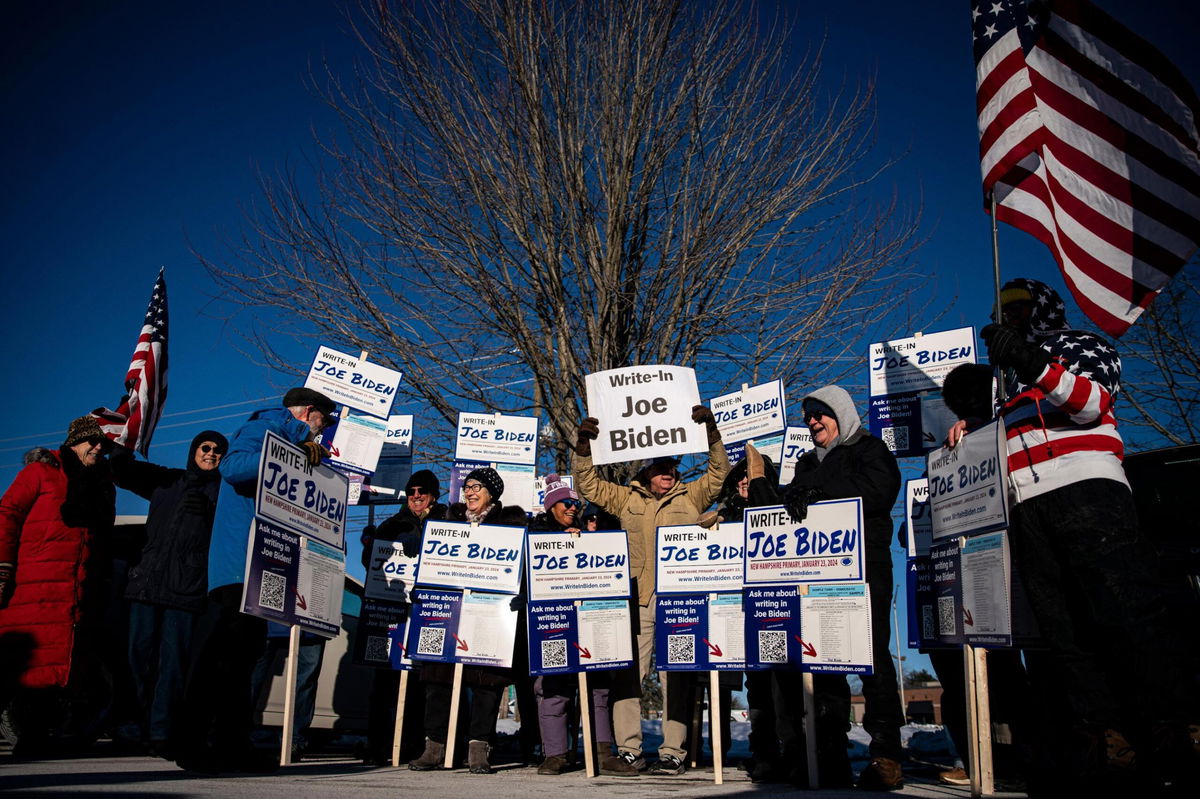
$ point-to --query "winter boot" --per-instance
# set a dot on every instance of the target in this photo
(610, 765)
(552, 766)
(432, 758)
(477, 757)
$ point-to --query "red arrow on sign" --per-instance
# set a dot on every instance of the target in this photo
(713, 649)
(806, 647)
(300, 602)
(967, 618)
(583, 651)
(461, 643)
(334, 451)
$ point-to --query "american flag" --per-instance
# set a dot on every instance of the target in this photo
(1087, 137)
(132, 424)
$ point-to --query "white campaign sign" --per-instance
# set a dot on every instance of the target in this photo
(400, 433)
(390, 573)
(357, 443)
(987, 607)
(487, 629)
(479, 556)
(309, 500)
(319, 587)
(726, 629)
(366, 387)
(751, 413)
(796, 442)
(917, 514)
(692, 560)
(826, 547)
(968, 485)
(835, 628)
(644, 412)
(585, 566)
(519, 483)
(604, 630)
(499, 437)
(920, 363)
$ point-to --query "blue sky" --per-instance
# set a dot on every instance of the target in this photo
(136, 132)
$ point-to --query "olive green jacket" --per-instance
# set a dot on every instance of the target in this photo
(641, 514)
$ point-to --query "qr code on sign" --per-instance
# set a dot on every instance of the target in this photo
(432, 641)
(681, 649)
(271, 591)
(772, 646)
(946, 625)
(927, 630)
(379, 649)
(896, 438)
(554, 654)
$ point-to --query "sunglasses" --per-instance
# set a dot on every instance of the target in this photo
(570, 503)
(818, 415)
(207, 448)
(418, 491)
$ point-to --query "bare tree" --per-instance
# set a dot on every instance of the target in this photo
(528, 191)
(1161, 364)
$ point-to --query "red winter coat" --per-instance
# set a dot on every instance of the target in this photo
(50, 560)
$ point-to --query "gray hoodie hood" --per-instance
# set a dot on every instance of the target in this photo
(849, 423)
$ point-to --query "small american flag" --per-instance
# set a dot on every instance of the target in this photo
(1087, 138)
(132, 424)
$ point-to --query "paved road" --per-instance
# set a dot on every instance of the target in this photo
(338, 777)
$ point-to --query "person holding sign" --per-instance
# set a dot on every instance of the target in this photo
(481, 491)
(847, 461)
(655, 497)
(555, 691)
(218, 704)
(1090, 579)
(421, 495)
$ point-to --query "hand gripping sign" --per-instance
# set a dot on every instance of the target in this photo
(826, 547)
(644, 412)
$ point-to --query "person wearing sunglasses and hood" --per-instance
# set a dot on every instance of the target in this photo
(168, 587)
(847, 461)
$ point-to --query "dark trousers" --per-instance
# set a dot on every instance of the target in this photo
(483, 705)
(159, 642)
(218, 708)
(308, 672)
(1101, 606)
(776, 702)
(381, 715)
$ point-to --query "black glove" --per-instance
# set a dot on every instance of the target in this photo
(7, 584)
(195, 503)
(411, 545)
(701, 414)
(589, 428)
(315, 452)
(1008, 349)
(518, 603)
(797, 504)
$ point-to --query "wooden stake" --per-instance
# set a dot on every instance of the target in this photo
(714, 726)
(810, 729)
(590, 766)
(289, 695)
(401, 698)
(455, 699)
(987, 775)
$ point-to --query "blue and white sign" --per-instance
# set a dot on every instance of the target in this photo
(699, 632)
(796, 442)
(986, 595)
(357, 443)
(567, 637)
(485, 557)
(920, 363)
(390, 573)
(496, 437)
(772, 632)
(968, 485)
(320, 585)
(379, 637)
(433, 624)
(644, 412)
(922, 631)
(769, 447)
(918, 517)
(471, 627)
(589, 565)
(691, 559)
(309, 500)
(835, 629)
(896, 420)
(944, 558)
(351, 381)
(826, 547)
(753, 412)
(272, 568)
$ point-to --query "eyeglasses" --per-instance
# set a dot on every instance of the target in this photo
(207, 448)
(472, 488)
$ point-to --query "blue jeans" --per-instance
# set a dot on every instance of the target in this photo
(159, 641)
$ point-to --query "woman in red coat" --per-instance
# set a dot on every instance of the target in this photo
(49, 516)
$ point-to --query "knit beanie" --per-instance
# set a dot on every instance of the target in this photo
(490, 479)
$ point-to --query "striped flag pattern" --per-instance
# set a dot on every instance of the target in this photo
(132, 424)
(1088, 139)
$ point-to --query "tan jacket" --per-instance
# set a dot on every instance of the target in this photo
(641, 514)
